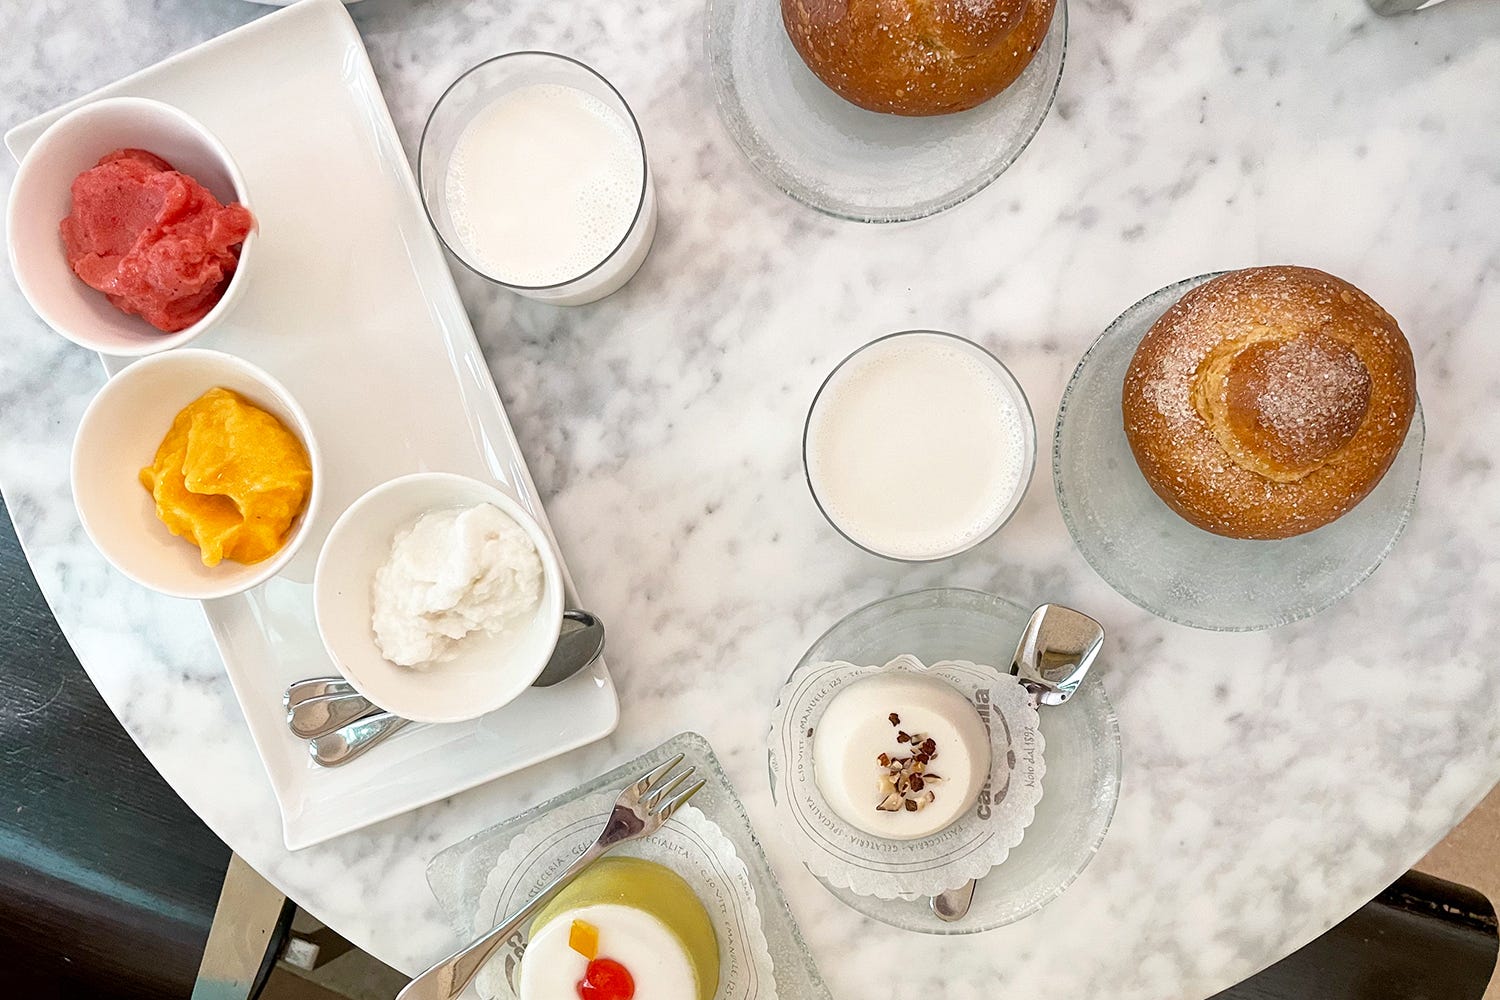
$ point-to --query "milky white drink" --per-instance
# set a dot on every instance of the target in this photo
(543, 185)
(918, 446)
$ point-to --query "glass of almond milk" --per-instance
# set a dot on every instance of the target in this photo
(919, 446)
(533, 171)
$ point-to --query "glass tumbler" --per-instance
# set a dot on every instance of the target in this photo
(924, 341)
(467, 98)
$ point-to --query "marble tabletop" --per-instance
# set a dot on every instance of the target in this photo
(1272, 781)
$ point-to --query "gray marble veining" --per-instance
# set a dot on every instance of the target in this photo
(1273, 781)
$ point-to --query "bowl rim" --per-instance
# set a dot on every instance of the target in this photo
(265, 569)
(554, 597)
(25, 172)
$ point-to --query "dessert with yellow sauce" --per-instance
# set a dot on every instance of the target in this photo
(625, 928)
(230, 478)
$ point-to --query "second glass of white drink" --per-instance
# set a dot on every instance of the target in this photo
(919, 446)
(534, 174)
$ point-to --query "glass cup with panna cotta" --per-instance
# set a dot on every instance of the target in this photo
(533, 171)
(919, 446)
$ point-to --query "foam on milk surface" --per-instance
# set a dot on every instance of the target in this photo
(916, 447)
(543, 184)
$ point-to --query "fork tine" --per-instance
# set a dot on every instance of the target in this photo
(641, 787)
(666, 811)
(658, 796)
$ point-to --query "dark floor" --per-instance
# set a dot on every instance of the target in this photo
(106, 877)
(1421, 939)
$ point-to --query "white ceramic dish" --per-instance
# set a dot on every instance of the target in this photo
(42, 196)
(384, 360)
(120, 432)
(489, 671)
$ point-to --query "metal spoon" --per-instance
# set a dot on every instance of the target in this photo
(1056, 650)
(312, 717)
(576, 648)
(317, 687)
(319, 705)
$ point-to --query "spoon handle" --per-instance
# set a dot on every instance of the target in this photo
(343, 745)
(952, 905)
(1056, 650)
(339, 726)
(314, 687)
(318, 716)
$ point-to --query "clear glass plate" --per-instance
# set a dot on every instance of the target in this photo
(858, 164)
(458, 874)
(1173, 569)
(1083, 751)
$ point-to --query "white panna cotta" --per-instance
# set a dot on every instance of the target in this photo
(624, 928)
(450, 574)
(900, 756)
(650, 953)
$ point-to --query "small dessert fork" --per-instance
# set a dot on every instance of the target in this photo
(640, 811)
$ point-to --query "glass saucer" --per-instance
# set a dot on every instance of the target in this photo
(460, 874)
(857, 164)
(1083, 752)
(1174, 569)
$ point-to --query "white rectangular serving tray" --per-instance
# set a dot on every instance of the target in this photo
(351, 305)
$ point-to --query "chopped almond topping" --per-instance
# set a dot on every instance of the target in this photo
(904, 783)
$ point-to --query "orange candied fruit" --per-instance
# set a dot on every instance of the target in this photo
(583, 937)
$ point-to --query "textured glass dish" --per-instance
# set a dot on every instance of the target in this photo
(1082, 782)
(1153, 557)
(858, 164)
(458, 874)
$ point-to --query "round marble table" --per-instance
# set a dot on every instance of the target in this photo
(1272, 782)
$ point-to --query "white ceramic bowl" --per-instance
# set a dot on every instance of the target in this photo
(41, 198)
(489, 671)
(119, 435)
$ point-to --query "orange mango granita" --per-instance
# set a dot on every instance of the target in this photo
(583, 937)
(230, 478)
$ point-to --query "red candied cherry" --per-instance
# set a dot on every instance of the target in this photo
(606, 979)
